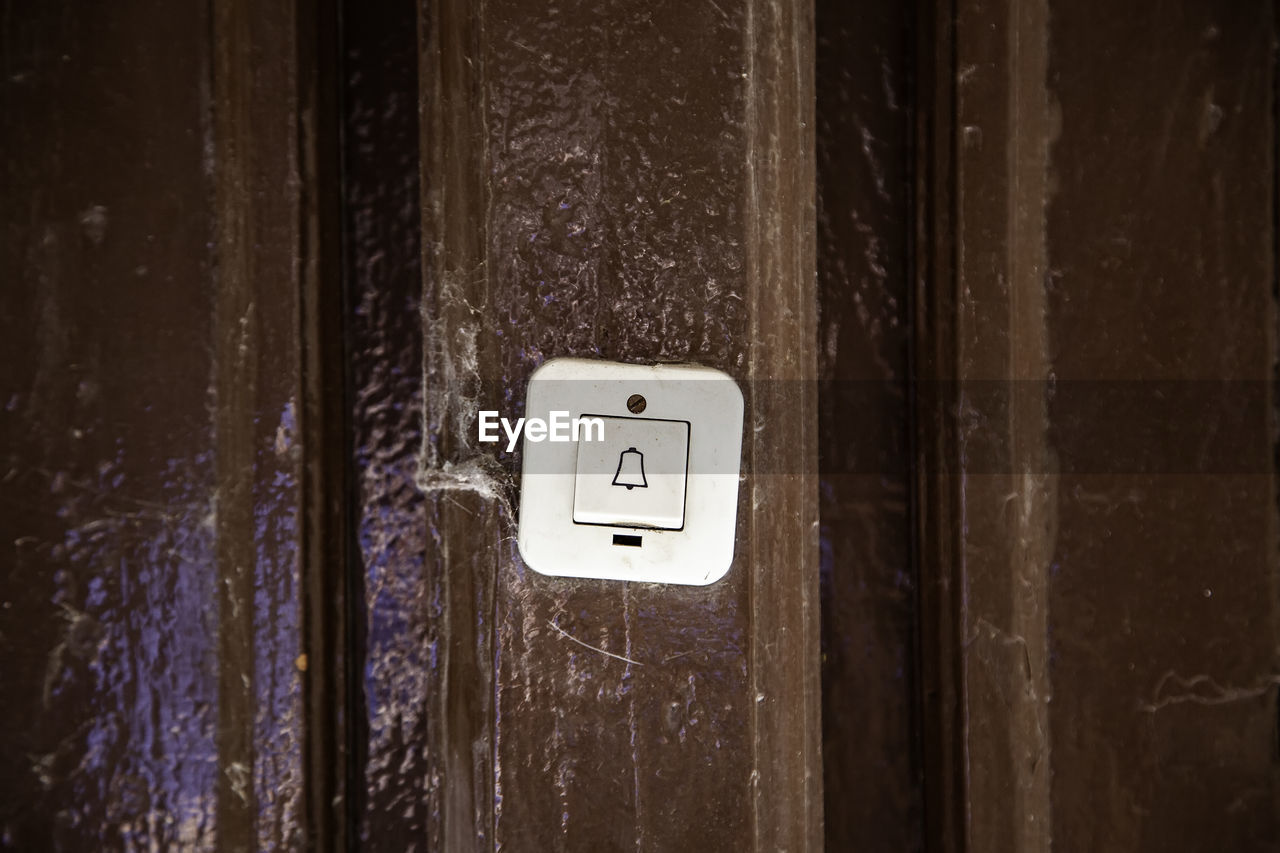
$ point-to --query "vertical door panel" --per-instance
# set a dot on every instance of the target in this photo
(871, 771)
(149, 600)
(1098, 497)
(633, 184)
(1163, 594)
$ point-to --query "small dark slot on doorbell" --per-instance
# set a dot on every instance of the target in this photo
(624, 539)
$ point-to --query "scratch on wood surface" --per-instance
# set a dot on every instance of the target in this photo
(562, 632)
(1204, 690)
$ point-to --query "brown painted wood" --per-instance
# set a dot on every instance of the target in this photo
(1098, 238)
(330, 572)
(1077, 582)
(109, 554)
(257, 389)
(156, 428)
(871, 772)
(935, 471)
(1163, 606)
(639, 204)
(396, 628)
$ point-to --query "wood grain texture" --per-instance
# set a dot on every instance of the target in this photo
(1164, 616)
(652, 203)
(154, 496)
(871, 756)
(1098, 609)
(259, 363)
(109, 556)
(394, 791)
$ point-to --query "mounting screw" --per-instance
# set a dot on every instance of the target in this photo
(635, 404)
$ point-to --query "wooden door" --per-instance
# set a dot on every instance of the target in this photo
(997, 280)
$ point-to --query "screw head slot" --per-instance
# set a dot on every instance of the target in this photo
(635, 404)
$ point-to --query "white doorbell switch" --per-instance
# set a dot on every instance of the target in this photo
(634, 476)
(644, 487)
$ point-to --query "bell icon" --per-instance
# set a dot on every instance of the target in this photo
(630, 470)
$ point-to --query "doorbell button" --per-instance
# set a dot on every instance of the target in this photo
(634, 475)
(645, 487)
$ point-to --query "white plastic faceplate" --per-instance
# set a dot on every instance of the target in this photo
(655, 498)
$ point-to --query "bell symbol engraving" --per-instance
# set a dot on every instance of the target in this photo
(630, 470)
